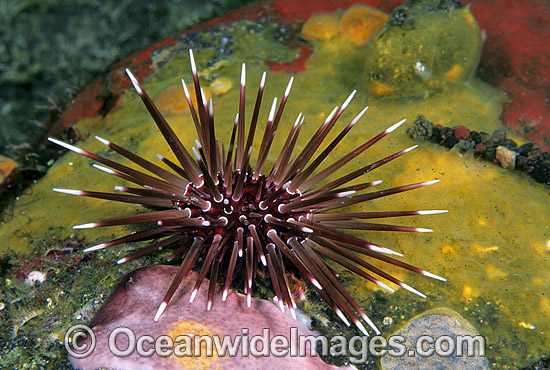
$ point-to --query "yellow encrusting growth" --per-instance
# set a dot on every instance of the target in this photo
(495, 273)
(191, 351)
(443, 48)
(381, 89)
(360, 22)
(354, 26)
(221, 85)
(449, 250)
(454, 73)
(321, 27)
(469, 293)
(493, 246)
(544, 306)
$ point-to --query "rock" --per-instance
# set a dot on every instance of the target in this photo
(422, 129)
(479, 149)
(133, 305)
(499, 136)
(486, 139)
(462, 146)
(509, 143)
(489, 153)
(521, 164)
(435, 323)
(541, 172)
(506, 157)
(525, 148)
(424, 47)
(461, 132)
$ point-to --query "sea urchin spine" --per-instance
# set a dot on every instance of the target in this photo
(233, 220)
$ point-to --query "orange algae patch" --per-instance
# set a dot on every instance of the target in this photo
(359, 22)
(454, 73)
(448, 250)
(321, 27)
(7, 166)
(221, 85)
(469, 293)
(381, 89)
(495, 273)
(187, 343)
(544, 306)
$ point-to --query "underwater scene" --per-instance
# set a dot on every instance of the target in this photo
(281, 185)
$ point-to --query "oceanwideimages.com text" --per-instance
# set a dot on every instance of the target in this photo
(357, 348)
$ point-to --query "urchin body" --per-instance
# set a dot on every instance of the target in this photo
(229, 218)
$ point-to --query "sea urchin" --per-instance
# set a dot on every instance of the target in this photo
(235, 220)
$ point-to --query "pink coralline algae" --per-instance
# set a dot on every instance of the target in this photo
(133, 304)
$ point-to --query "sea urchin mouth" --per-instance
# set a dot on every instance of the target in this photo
(229, 218)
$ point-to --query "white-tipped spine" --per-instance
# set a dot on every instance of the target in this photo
(431, 182)
(378, 249)
(362, 328)
(160, 311)
(348, 100)
(262, 81)
(185, 91)
(68, 191)
(272, 110)
(95, 247)
(192, 60)
(104, 169)
(410, 148)
(384, 286)
(102, 141)
(66, 145)
(193, 295)
(358, 117)
(433, 211)
(433, 276)
(134, 81)
(412, 290)
(423, 230)
(289, 86)
(371, 324)
(330, 115)
(395, 126)
(341, 316)
(90, 225)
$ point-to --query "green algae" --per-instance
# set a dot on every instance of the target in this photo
(35, 316)
(41, 42)
(486, 246)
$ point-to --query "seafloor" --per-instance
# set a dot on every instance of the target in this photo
(493, 245)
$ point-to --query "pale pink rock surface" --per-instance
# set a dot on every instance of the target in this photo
(134, 303)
